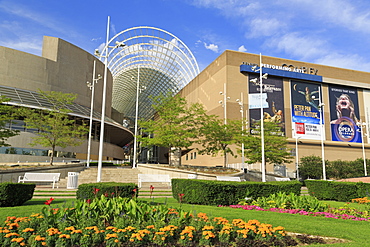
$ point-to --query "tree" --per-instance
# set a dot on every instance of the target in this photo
(55, 128)
(174, 126)
(274, 141)
(8, 113)
(217, 137)
(311, 167)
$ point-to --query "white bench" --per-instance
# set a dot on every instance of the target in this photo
(282, 179)
(228, 178)
(153, 178)
(40, 177)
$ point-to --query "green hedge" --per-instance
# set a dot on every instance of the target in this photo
(109, 189)
(337, 191)
(210, 192)
(15, 194)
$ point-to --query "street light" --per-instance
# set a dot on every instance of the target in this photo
(363, 126)
(92, 88)
(138, 91)
(321, 105)
(241, 104)
(223, 103)
(107, 53)
(262, 76)
(296, 156)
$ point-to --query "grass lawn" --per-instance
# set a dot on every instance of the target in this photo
(358, 232)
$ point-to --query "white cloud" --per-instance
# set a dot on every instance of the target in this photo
(242, 48)
(352, 61)
(211, 47)
(303, 47)
(265, 27)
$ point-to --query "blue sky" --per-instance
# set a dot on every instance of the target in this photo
(329, 32)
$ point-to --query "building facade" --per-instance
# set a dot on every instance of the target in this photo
(323, 110)
(66, 68)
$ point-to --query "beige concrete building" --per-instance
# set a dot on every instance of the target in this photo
(293, 92)
(66, 68)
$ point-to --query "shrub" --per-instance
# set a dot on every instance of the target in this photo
(108, 189)
(337, 191)
(15, 194)
(210, 192)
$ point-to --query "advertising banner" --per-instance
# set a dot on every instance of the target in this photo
(305, 110)
(272, 101)
(367, 112)
(344, 114)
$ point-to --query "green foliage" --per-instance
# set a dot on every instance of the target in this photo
(275, 145)
(337, 191)
(290, 201)
(54, 125)
(107, 189)
(15, 194)
(8, 113)
(175, 124)
(216, 136)
(311, 168)
(210, 192)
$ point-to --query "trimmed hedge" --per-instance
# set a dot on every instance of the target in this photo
(211, 192)
(337, 191)
(15, 194)
(109, 189)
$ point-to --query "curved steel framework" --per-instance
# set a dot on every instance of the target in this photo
(156, 59)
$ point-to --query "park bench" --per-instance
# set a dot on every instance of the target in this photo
(228, 178)
(153, 178)
(40, 177)
(282, 179)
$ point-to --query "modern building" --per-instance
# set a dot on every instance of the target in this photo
(292, 95)
(141, 62)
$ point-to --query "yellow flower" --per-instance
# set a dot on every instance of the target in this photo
(28, 230)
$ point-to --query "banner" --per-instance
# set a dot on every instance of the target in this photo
(272, 101)
(344, 114)
(305, 110)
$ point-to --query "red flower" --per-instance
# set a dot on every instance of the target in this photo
(95, 191)
(88, 201)
(48, 202)
(134, 190)
(151, 188)
(106, 194)
(181, 196)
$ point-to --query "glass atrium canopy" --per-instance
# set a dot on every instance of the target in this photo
(151, 60)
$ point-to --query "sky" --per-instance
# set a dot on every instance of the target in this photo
(328, 32)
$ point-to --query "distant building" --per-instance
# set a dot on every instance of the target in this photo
(291, 96)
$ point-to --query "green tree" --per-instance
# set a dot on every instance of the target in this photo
(216, 137)
(55, 128)
(310, 167)
(8, 113)
(275, 144)
(174, 126)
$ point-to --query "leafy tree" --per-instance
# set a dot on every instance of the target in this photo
(311, 167)
(55, 128)
(8, 113)
(216, 137)
(175, 124)
(275, 144)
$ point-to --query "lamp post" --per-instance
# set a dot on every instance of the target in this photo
(321, 105)
(92, 88)
(134, 164)
(296, 156)
(262, 76)
(107, 53)
(223, 103)
(363, 126)
(241, 104)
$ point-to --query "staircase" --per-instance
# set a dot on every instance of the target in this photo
(121, 175)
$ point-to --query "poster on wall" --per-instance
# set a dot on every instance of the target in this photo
(367, 112)
(272, 101)
(305, 110)
(344, 114)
